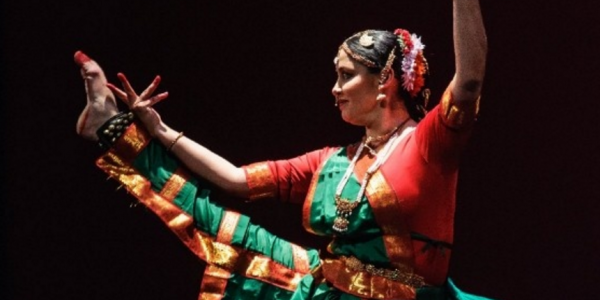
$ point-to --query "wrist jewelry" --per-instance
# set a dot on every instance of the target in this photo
(175, 141)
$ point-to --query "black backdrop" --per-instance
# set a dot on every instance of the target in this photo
(252, 81)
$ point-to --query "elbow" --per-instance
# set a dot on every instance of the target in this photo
(472, 86)
(236, 184)
(469, 80)
(467, 90)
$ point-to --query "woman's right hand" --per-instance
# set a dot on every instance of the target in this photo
(141, 104)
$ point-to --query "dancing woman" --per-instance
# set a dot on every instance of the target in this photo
(387, 201)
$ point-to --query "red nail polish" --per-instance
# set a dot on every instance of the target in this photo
(81, 58)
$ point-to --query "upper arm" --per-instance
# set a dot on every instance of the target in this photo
(445, 130)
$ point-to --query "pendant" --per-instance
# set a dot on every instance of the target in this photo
(344, 210)
(340, 224)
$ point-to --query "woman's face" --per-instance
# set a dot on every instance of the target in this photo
(355, 91)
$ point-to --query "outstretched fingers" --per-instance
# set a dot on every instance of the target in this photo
(155, 99)
(152, 100)
(148, 101)
(151, 88)
(130, 97)
(131, 94)
(118, 92)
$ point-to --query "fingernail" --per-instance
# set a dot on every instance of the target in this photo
(81, 58)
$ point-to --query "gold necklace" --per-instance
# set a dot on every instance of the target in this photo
(373, 142)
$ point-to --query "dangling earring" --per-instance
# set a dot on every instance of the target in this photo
(381, 97)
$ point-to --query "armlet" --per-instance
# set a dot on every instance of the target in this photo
(456, 114)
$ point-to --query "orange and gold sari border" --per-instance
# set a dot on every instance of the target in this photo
(254, 265)
(174, 217)
(246, 263)
(310, 196)
(265, 269)
(121, 170)
(227, 257)
(208, 296)
(301, 263)
(228, 224)
(260, 181)
(174, 184)
(214, 283)
(458, 115)
(364, 284)
(386, 207)
(132, 142)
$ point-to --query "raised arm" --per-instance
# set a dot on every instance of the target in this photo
(470, 48)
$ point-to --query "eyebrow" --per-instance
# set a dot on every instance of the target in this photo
(344, 68)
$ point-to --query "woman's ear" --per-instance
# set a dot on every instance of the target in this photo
(388, 84)
(385, 83)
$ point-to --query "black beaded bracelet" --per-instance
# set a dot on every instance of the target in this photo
(112, 129)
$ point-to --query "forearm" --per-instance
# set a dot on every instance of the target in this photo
(470, 48)
(204, 162)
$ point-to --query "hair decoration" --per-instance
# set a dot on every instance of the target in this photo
(414, 66)
(385, 72)
(366, 40)
(357, 57)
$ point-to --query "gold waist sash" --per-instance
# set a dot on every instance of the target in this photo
(365, 280)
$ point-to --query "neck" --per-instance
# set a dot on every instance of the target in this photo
(388, 122)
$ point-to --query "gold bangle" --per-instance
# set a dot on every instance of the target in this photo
(175, 141)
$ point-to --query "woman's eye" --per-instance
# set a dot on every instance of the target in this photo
(346, 75)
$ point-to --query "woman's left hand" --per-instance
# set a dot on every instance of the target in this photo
(141, 105)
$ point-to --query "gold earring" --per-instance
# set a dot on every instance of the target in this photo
(381, 96)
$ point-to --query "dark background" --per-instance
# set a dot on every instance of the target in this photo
(252, 80)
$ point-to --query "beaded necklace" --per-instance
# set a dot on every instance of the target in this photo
(344, 207)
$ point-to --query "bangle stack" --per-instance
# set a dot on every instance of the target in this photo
(175, 141)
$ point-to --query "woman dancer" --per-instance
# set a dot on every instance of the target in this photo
(387, 201)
